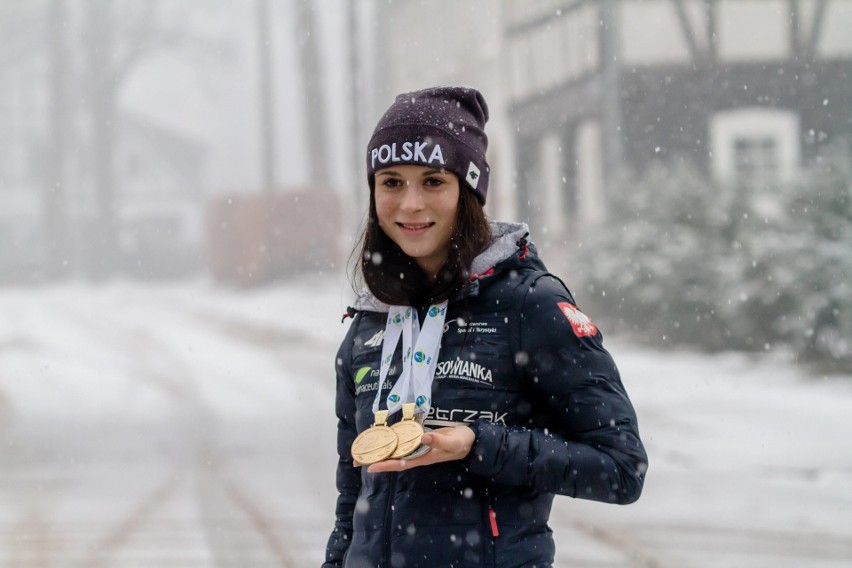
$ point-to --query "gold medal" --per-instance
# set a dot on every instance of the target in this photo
(376, 443)
(422, 449)
(408, 431)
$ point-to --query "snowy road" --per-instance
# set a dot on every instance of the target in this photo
(193, 426)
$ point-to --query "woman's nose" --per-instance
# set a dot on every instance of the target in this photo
(412, 199)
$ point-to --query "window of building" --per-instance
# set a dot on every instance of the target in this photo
(756, 160)
(755, 145)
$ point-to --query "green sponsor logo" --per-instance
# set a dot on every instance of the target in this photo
(362, 372)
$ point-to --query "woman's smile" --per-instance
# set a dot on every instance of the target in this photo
(415, 229)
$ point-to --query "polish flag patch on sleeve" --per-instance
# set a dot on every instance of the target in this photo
(580, 322)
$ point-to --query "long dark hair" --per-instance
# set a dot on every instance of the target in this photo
(395, 278)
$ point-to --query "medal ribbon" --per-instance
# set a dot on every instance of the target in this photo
(419, 356)
(393, 331)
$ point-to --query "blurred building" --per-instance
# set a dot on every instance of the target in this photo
(161, 199)
(749, 90)
(159, 206)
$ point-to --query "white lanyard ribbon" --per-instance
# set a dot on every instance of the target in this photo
(419, 356)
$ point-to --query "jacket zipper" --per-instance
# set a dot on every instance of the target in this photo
(492, 516)
(387, 525)
(491, 548)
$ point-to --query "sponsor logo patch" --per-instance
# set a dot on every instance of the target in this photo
(458, 415)
(464, 370)
(360, 374)
(580, 322)
(475, 327)
(376, 340)
(367, 379)
(371, 387)
(408, 152)
(472, 177)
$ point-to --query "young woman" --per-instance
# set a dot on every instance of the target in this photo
(519, 399)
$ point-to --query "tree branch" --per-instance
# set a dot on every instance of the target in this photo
(816, 29)
(688, 32)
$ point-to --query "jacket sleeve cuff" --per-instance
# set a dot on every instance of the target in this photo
(500, 453)
(475, 461)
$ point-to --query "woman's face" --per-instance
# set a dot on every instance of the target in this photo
(416, 207)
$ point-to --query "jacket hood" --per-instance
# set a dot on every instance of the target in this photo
(507, 237)
(504, 244)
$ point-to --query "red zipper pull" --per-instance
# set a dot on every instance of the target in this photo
(493, 516)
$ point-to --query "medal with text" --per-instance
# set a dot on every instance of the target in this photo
(408, 431)
(419, 356)
(376, 443)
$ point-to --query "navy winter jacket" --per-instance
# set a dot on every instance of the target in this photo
(528, 372)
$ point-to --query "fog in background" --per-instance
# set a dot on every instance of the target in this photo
(124, 121)
(164, 140)
(181, 185)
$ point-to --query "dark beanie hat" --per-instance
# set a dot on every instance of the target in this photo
(441, 127)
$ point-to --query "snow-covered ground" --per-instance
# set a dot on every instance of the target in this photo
(189, 425)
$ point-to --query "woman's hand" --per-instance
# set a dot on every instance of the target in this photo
(448, 444)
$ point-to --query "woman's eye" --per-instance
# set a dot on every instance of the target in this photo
(391, 182)
(434, 182)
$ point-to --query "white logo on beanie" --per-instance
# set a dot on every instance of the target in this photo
(411, 152)
(472, 177)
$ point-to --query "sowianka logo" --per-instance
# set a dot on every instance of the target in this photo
(463, 370)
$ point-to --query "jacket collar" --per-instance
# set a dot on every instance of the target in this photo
(503, 246)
